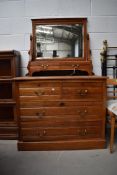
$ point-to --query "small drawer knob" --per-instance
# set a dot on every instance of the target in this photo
(75, 65)
(39, 93)
(40, 114)
(44, 132)
(83, 92)
(83, 132)
(82, 113)
(53, 90)
(44, 66)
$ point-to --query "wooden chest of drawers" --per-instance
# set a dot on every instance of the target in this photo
(61, 113)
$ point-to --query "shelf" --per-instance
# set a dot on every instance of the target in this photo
(8, 125)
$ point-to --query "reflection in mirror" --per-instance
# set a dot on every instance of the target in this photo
(59, 41)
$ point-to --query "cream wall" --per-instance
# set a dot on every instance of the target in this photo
(15, 23)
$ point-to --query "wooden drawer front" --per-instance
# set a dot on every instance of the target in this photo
(38, 92)
(33, 102)
(82, 112)
(58, 123)
(44, 65)
(48, 90)
(44, 134)
(83, 91)
(41, 93)
(60, 65)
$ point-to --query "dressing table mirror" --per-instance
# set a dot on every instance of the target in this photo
(59, 47)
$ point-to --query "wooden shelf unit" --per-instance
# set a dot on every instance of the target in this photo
(8, 121)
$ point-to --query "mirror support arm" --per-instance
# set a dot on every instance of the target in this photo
(31, 51)
(88, 48)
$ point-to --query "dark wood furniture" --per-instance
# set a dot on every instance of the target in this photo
(59, 44)
(61, 106)
(61, 113)
(8, 121)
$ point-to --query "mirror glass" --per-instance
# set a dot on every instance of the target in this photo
(59, 41)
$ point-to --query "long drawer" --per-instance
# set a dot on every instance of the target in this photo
(69, 112)
(27, 102)
(60, 65)
(59, 123)
(53, 90)
(61, 133)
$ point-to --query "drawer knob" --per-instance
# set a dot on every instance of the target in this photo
(40, 114)
(83, 112)
(83, 132)
(75, 65)
(39, 93)
(83, 92)
(44, 66)
(53, 90)
(44, 132)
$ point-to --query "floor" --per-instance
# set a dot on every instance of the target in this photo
(81, 162)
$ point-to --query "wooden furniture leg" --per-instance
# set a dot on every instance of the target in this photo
(112, 133)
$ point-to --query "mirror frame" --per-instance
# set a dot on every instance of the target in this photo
(60, 21)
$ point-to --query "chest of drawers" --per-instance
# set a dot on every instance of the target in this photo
(61, 113)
